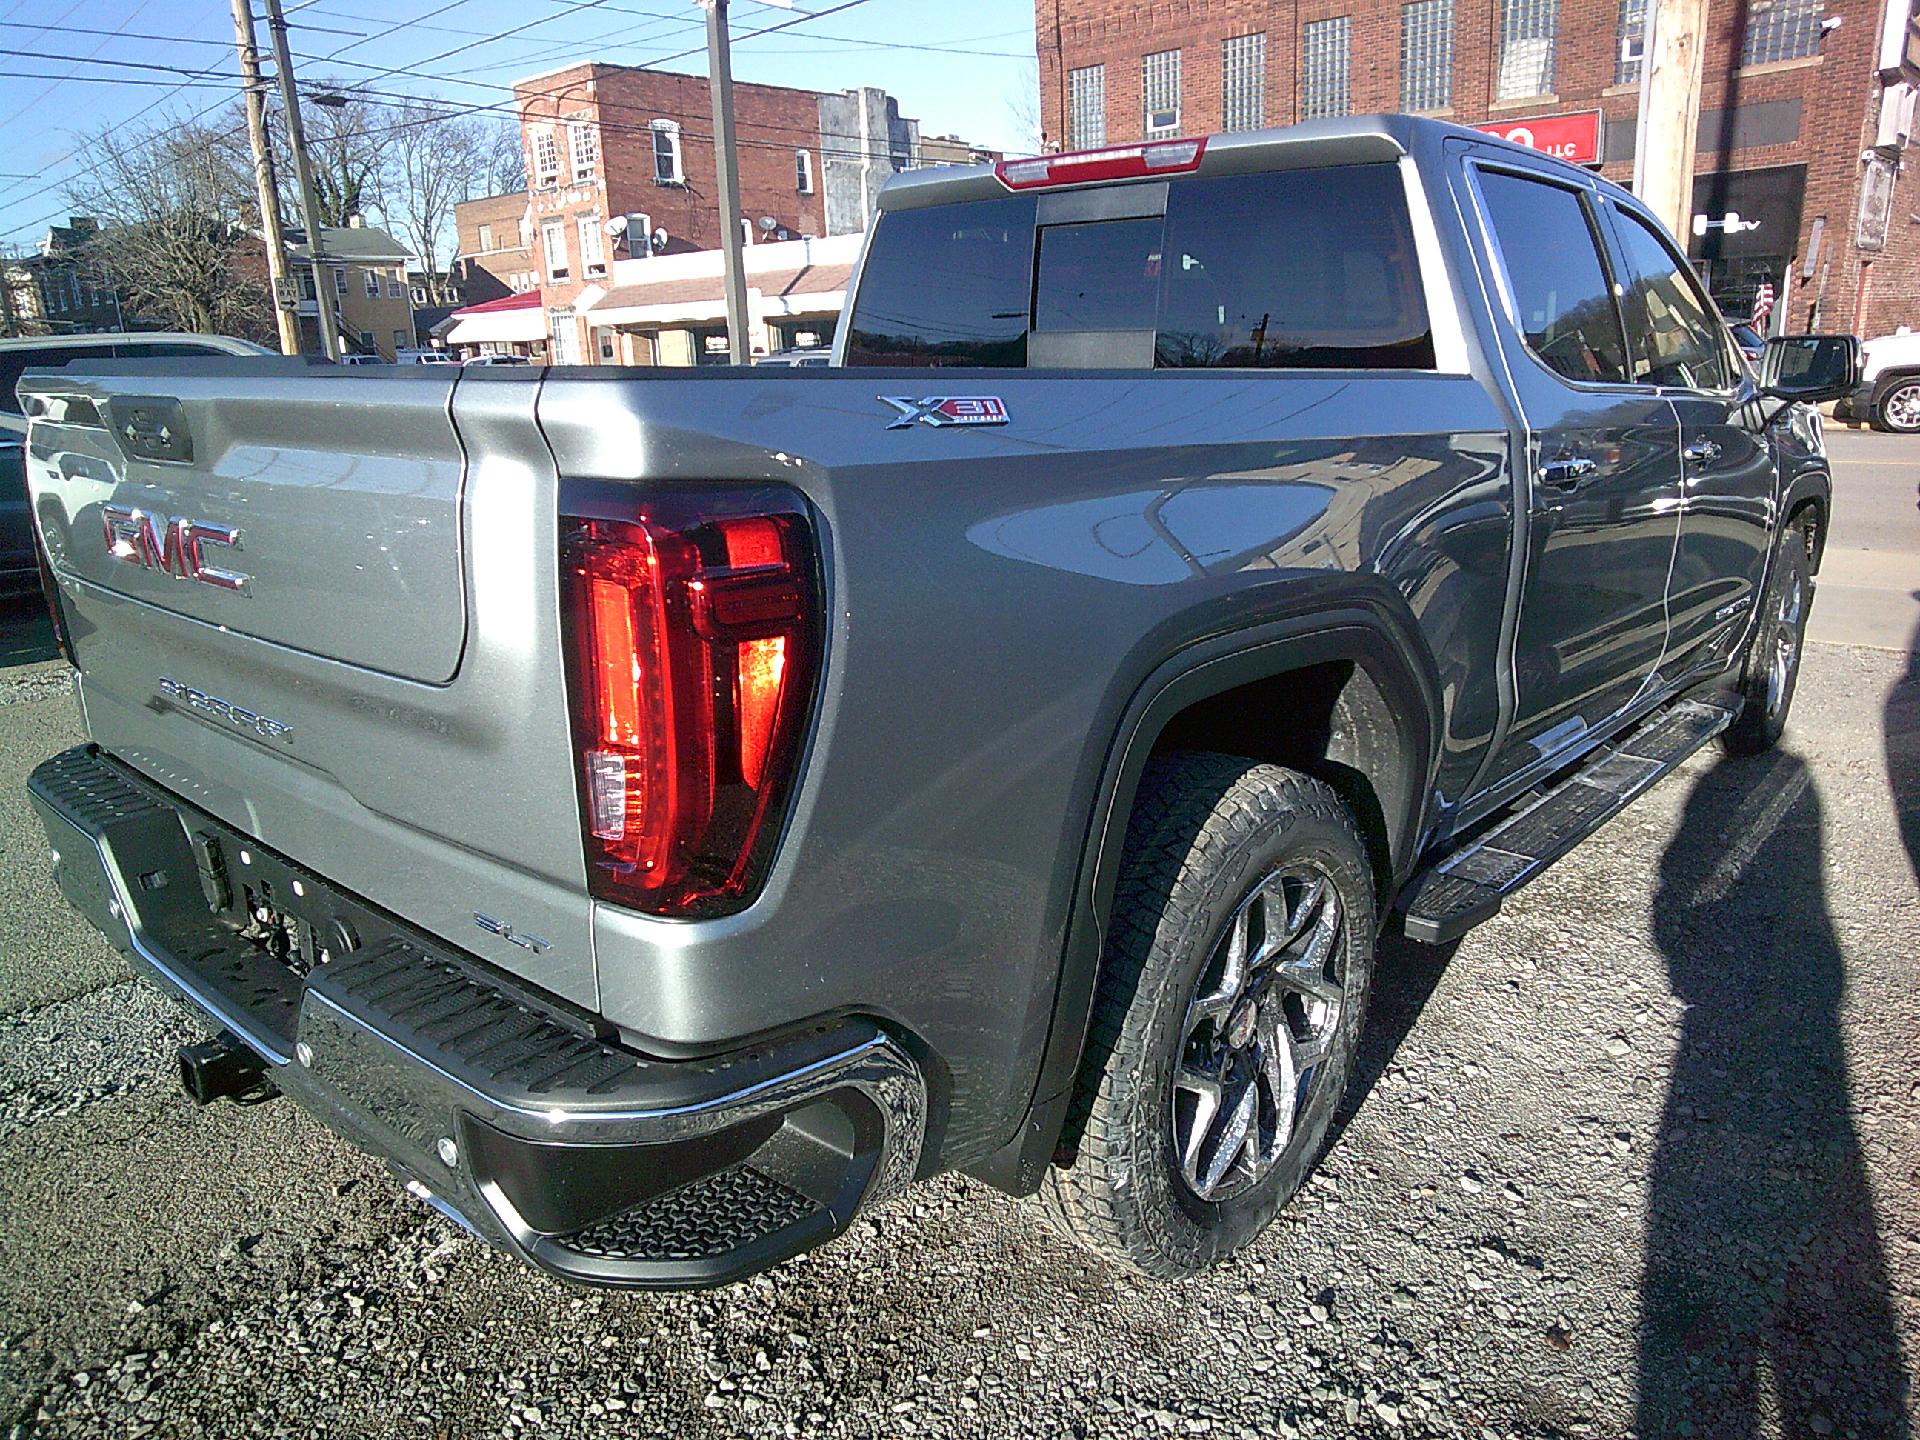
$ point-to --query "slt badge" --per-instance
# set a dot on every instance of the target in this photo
(947, 410)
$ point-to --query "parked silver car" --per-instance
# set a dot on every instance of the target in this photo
(17, 354)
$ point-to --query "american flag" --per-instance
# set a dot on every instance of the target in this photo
(1762, 306)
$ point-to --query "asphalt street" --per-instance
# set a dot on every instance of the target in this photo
(1639, 1157)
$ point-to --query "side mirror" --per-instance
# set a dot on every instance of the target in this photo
(1810, 368)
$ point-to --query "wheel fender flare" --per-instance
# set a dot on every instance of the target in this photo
(1813, 484)
(1360, 619)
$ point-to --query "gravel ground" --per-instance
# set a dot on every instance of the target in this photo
(1639, 1157)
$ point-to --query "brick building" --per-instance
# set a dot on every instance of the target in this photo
(620, 165)
(493, 255)
(1800, 181)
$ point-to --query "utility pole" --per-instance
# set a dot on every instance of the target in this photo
(1669, 118)
(263, 179)
(726, 162)
(303, 173)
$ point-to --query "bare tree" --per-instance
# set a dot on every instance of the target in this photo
(506, 172)
(434, 161)
(175, 221)
(347, 140)
(1023, 112)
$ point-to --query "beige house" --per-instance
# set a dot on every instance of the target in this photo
(365, 282)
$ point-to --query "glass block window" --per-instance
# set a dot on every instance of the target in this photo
(1781, 30)
(1160, 93)
(1426, 55)
(1243, 82)
(1325, 68)
(1526, 47)
(1087, 108)
(1633, 42)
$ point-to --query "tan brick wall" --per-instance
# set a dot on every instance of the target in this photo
(1836, 90)
(489, 272)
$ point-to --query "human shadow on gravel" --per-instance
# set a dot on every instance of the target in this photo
(1765, 1301)
(1902, 732)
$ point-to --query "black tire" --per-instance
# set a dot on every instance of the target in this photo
(1897, 411)
(1214, 838)
(1772, 669)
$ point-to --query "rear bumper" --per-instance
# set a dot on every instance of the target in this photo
(503, 1108)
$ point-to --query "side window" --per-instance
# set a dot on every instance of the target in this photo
(1676, 339)
(1561, 299)
(1300, 269)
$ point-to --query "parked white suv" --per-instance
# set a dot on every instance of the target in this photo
(1888, 397)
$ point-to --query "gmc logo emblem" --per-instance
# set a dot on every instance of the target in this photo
(172, 545)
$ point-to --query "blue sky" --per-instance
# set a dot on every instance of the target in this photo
(958, 69)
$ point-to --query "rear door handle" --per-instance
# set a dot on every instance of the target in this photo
(1568, 472)
(1701, 453)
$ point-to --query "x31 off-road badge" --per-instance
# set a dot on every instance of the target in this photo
(947, 410)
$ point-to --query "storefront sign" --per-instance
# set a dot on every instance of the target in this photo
(1573, 137)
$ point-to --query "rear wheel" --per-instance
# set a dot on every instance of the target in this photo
(1230, 1005)
(1898, 410)
(1773, 663)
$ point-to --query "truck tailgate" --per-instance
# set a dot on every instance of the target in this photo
(344, 490)
(339, 689)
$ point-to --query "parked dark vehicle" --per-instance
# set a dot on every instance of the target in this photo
(19, 574)
(998, 751)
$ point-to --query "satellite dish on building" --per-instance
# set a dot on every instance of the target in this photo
(660, 239)
(768, 224)
(617, 225)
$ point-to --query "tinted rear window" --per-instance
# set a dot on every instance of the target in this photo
(1302, 268)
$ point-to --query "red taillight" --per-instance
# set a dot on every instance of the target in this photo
(1121, 162)
(692, 626)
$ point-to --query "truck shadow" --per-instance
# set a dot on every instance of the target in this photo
(1765, 1295)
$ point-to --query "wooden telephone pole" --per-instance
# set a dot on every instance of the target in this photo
(1669, 120)
(303, 173)
(285, 299)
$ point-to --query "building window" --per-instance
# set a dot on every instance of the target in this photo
(396, 290)
(803, 171)
(1426, 55)
(1243, 82)
(1781, 30)
(553, 235)
(1325, 86)
(546, 159)
(1633, 42)
(340, 281)
(1160, 92)
(305, 281)
(486, 238)
(1527, 30)
(1087, 108)
(593, 254)
(667, 169)
(561, 332)
(371, 280)
(583, 145)
(401, 340)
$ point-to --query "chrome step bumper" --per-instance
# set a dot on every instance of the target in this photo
(509, 1111)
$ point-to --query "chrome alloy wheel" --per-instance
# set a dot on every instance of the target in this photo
(1786, 641)
(1901, 408)
(1262, 1018)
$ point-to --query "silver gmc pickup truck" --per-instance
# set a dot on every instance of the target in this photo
(661, 812)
